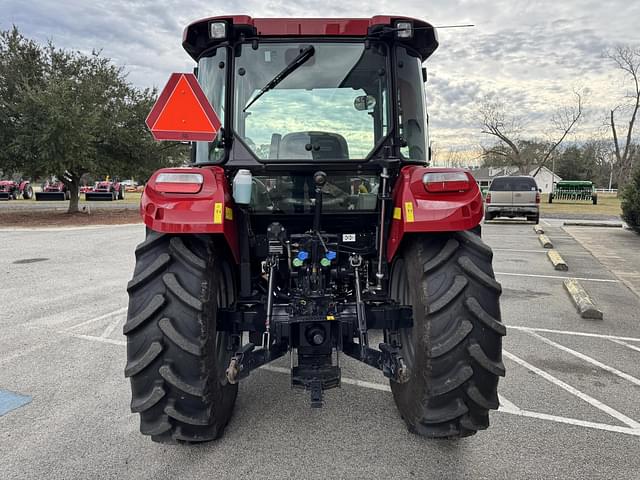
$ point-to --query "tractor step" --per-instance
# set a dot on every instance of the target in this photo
(50, 196)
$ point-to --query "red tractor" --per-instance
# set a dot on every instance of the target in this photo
(10, 190)
(53, 190)
(106, 190)
(311, 226)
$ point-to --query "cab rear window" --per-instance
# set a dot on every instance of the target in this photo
(514, 184)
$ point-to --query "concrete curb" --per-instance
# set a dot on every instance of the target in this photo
(585, 305)
(557, 261)
(578, 223)
(544, 241)
(538, 229)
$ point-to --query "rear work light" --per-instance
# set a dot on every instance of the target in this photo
(437, 182)
(404, 29)
(217, 30)
(179, 182)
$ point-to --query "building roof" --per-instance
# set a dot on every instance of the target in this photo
(489, 173)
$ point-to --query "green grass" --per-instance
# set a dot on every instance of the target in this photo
(129, 198)
(608, 204)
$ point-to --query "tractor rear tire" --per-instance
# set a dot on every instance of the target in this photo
(27, 194)
(176, 360)
(121, 193)
(454, 349)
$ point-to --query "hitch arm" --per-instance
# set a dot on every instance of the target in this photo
(387, 359)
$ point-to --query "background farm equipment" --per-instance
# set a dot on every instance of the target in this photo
(574, 191)
(11, 190)
(106, 190)
(52, 191)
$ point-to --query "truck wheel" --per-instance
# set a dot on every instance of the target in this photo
(176, 360)
(551, 198)
(454, 349)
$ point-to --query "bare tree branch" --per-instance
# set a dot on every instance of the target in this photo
(507, 130)
(564, 120)
(626, 59)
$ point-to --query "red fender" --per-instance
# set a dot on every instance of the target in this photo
(417, 210)
(24, 184)
(211, 210)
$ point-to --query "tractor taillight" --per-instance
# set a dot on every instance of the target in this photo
(437, 182)
(179, 182)
(537, 197)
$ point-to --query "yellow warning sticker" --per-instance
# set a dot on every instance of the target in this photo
(217, 213)
(397, 213)
(408, 211)
(228, 213)
(330, 317)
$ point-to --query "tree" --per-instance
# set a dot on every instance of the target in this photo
(631, 202)
(80, 117)
(626, 59)
(507, 128)
(21, 66)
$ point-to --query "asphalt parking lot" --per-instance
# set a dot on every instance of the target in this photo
(569, 404)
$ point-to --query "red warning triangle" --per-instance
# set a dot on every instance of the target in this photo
(183, 112)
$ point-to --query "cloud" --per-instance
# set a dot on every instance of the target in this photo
(530, 54)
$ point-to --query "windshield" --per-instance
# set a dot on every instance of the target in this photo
(334, 106)
(514, 184)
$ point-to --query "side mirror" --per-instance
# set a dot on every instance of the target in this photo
(540, 190)
(364, 102)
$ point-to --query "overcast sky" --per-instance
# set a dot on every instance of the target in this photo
(528, 53)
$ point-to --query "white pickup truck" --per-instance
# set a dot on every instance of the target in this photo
(513, 197)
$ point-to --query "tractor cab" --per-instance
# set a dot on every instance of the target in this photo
(294, 92)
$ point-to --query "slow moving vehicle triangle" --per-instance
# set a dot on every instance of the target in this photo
(183, 112)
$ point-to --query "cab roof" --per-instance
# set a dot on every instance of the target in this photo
(196, 39)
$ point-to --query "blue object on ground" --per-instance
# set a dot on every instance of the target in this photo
(10, 401)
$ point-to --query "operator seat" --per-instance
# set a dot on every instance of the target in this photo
(313, 146)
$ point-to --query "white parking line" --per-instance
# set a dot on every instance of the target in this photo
(573, 421)
(586, 358)
(577, 334)
(505, 405)
(109, 330)
(97, 339)
(574, 391)
(603, 280)
(632, 347)
(97, 319)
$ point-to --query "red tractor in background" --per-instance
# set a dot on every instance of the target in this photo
(106, 190)
(11, 190)
(53, 190)
(309, 225)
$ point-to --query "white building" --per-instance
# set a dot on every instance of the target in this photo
(545, 179)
